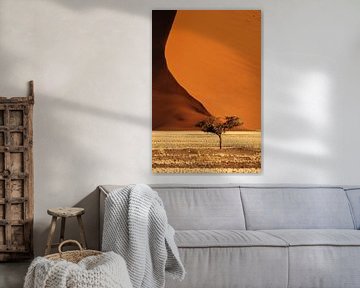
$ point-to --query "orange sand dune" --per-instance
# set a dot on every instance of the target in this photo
(173, 108)
(216, 57)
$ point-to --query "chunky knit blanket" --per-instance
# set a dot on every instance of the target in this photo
(136, 227)
(102, 271)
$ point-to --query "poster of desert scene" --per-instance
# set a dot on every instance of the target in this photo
(206, 91)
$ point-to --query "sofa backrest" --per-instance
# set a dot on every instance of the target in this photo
(296, 208)
(234, 207)
(354, 198)
(202, 207)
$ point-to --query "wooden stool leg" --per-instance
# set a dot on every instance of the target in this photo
(51, 235)
(82, 232)
(62, 231)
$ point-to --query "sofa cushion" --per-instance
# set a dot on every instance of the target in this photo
(220, 267)
(191, 208)
(296, 208)
(324, 266)
(226, 238)
(315, 237)
(322, 258)
(354, 198)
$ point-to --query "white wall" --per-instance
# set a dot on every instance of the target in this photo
(91, 63)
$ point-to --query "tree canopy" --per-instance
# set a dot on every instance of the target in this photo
(218, 126)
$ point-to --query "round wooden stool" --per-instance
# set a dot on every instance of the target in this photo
(64, 213)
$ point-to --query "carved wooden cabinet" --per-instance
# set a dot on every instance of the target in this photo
(16, 177)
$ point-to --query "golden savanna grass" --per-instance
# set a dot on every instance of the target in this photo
(198, 152)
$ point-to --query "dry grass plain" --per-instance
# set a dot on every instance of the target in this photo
(198, 152)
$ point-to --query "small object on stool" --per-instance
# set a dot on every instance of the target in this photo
(64, 213)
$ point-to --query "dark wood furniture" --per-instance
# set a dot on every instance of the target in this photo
(16, 177)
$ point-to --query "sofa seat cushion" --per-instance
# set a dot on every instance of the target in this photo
(317, 237)
(226, 238)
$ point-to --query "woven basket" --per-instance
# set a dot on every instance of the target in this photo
(72, 256)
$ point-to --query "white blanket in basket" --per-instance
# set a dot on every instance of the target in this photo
(107, 270)
(136, 227)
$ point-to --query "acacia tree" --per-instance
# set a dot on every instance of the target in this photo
(218, 126)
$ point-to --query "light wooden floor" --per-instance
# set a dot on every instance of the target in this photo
(12, 274)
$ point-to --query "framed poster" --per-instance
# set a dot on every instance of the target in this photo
(206, 91)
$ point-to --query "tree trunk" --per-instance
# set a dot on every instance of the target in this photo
(220, 141)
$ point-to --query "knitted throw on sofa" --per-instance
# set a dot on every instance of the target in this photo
(136, 227)
(102, 271)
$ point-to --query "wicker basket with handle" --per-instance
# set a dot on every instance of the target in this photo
(72, 256)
